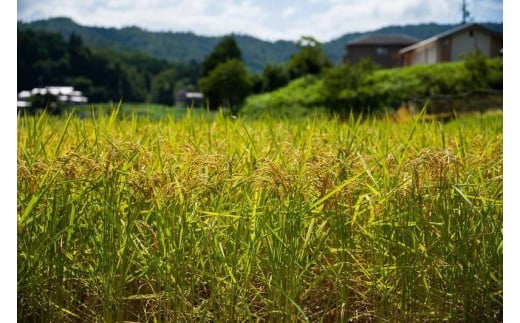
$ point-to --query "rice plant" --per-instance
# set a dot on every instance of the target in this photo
(215, 219)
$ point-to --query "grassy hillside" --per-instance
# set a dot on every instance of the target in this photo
(384, 89)
(225, 220)
(299, 98)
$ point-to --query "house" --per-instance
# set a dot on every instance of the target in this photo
(189, 99)
(63, 94)
(453, 44)
(382, 49)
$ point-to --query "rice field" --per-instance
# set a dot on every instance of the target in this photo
(216, 219)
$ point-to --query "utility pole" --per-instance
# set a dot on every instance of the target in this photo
(465, 12)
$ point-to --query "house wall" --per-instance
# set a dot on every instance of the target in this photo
(454, 47)
(425, 55)
(469, 40)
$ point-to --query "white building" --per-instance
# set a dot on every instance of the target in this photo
(65, 94)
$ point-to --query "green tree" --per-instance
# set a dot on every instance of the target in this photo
(227, 85)
(225, 50)
(102, 75)
(79, 55)
(311, 59)
(342, 86)
(256, 83)
(41, 58)
(476, 71)
(274, 77)
(163, 87)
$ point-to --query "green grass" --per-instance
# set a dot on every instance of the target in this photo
(214, 219)
(380, 91)
(149, 111)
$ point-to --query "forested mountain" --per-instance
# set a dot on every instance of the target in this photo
(174, 47)
(186, 47)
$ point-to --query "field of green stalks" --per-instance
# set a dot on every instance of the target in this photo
(219, 219)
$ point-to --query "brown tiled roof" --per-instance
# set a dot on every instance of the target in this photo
(384, 40)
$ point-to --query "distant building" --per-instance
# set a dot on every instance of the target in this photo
(382, 49)
(453, 44)
(189, 99)
(62, 94)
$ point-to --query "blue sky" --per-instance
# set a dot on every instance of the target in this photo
(268, 20)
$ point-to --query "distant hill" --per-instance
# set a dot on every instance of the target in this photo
(185, 47)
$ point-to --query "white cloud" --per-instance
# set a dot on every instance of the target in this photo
(342, 17)
(270, 19)
(288, 12)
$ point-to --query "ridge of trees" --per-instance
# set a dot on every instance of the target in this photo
(186, 46)
(45, 58)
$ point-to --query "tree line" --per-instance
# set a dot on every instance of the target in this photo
(45, 58)
(225, 81)
(103, 75)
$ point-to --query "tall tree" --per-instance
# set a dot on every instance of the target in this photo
(274, 77)
(225, 50)
(227, 85)
(41, 58)
(79, 55)
(163, 87)
(311, 59)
